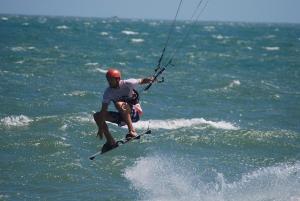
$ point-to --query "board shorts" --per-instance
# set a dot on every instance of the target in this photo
(134, 114)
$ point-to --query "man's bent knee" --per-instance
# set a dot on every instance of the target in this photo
(96, 115)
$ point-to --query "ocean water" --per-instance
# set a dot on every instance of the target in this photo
(225, 123)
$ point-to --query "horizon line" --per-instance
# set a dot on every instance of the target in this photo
(154, 19)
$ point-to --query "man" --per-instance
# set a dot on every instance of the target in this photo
(125, 98)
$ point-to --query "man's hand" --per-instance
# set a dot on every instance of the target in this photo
(147, 80)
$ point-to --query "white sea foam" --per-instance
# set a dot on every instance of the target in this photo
(219, 37)
(76, 93)
(100, 70)
(84, 119)
(64, 127)
(103, 33)
(22, 49)
(234, 83)
(4, 18)
(18, 49)
(16, 121)
(210, 28)
(170, 124)
(4, 197)
(160, 178)
(137, 40)
(126, 32)
(20, 62)
(272, 48)
(224, 55)
(62, 27)
(87, 23)
(92, 64)
(122, 63)
(31, 48)
(231, 85)
(139, 57)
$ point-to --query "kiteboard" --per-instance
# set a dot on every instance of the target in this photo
(118, 144)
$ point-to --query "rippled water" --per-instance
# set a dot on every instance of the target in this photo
(225, 123)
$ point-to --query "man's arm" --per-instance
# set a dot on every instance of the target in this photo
(147, 80)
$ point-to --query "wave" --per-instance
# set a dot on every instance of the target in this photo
(171, 124)
(168, 124)
(271, 48)
(66, 120)
(220, 37)
(232, 85)
(160, 178)
(62, 27)
(92, 64)
(4, 18)
(137, 40)
(16, 121)
(103, 33)
(126, 32)
(20, 62)
(22, 49)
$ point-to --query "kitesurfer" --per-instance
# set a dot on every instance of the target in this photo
(126, 100)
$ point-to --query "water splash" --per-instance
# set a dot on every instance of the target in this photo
(159, 178)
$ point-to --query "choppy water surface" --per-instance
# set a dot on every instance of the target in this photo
(225, 122)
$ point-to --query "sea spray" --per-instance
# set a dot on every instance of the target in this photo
(159, 178)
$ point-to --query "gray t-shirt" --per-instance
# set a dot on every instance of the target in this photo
(124, 90)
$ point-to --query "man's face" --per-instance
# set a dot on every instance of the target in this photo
(113, 82)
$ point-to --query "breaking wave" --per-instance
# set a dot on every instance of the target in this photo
(168, 124)
(16, 121)
(171, 124)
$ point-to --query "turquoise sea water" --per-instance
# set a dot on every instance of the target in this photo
(225, 123)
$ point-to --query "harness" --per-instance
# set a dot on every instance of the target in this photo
(133, 100)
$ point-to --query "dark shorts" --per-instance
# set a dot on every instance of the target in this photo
(119, 120)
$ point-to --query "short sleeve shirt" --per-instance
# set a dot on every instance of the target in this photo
(124, 90)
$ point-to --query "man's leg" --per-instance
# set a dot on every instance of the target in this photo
(125, 111)
(109, 138)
